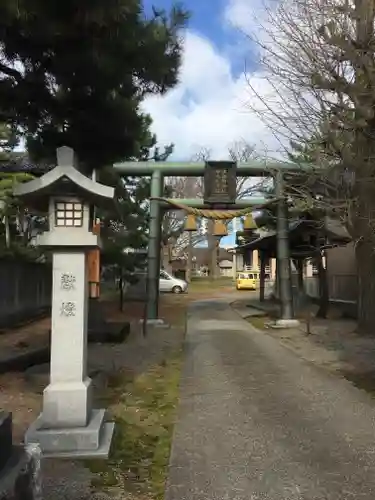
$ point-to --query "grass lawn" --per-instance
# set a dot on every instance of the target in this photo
(200, 285)
(220, 281)
(144, 409)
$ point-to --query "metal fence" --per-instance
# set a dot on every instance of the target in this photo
(25, 291)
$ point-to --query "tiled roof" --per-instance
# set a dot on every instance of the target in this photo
(24, 165)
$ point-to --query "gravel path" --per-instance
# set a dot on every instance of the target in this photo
(258, 422)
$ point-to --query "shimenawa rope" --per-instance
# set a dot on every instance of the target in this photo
(207, 213)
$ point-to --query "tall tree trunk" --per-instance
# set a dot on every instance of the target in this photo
(365, 256)
(363, 221)
(212, 250)
(363, 233)
(362, 229)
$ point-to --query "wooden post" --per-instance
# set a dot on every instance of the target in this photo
(93, 262)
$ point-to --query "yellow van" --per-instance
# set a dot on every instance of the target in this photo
(247, 280)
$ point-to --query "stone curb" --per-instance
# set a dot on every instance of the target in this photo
(38, 356)
(244, 313)
(22, 361)
(258, 307)
(250, 326)
(21, 320)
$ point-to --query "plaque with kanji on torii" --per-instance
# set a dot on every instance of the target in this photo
(220, 182)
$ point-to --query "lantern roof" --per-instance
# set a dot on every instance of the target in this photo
(63, 180)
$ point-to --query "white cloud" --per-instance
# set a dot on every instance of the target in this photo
(243, 14)
(209, 107)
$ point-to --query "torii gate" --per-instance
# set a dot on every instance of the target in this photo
(220, 185)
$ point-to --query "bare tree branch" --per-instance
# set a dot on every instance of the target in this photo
(318, 62)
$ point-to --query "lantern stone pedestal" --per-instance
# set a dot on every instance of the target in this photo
(68, 425)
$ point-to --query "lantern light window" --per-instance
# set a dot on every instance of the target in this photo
(68, 214)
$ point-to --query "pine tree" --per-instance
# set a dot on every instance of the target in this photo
(75, 73)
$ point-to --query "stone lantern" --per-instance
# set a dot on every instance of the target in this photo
(68, 425)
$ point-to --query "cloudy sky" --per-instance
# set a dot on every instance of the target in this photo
(210, 105)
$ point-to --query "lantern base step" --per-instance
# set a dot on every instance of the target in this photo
(92, 441)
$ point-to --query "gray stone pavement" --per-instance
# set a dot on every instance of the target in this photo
(258, 422)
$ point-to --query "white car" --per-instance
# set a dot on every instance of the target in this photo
(169, 283)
